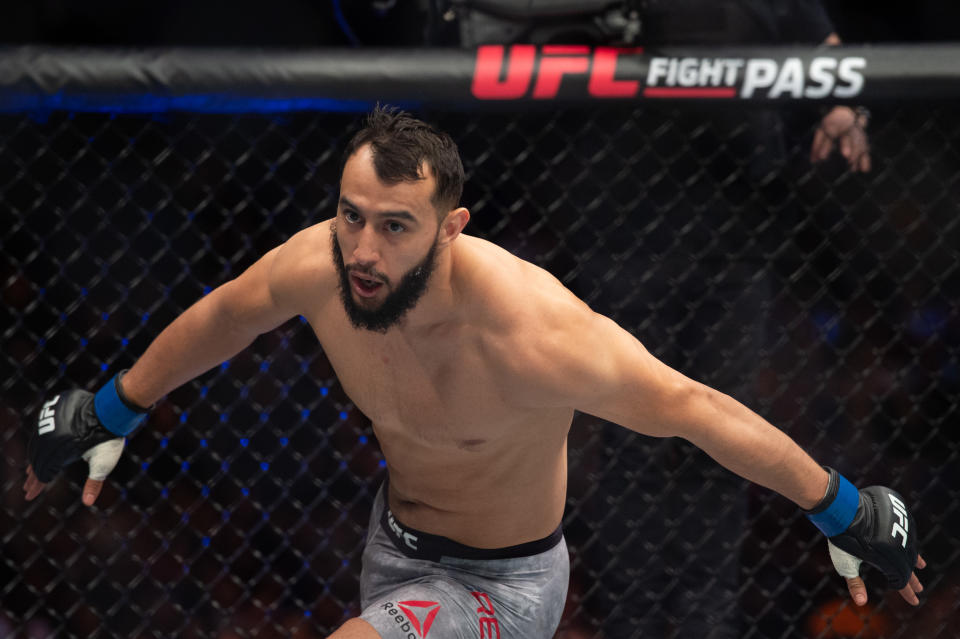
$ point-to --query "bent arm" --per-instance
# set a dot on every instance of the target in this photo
(212, 330)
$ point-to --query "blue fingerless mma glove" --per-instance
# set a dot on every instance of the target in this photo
(872, 524)
(73, 422)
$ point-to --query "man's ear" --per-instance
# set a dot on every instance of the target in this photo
(452, 224)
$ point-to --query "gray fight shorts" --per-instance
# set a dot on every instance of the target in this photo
(415, 585)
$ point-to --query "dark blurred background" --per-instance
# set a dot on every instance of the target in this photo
(827, 300)
(301, 23)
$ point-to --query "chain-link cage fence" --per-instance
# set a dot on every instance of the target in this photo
(827, 300)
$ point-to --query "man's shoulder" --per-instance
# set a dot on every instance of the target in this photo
(309, 247)
(510, 293)
(524, 315)
(304, 262)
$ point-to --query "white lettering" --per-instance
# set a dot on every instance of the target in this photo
(821, 73)
(46, 423)
(790, 79)
(733, 69)
(657, 70)
(711, 71)
(849, 72)
(672, 73)
(408, 538)
(688, 72)
(760, 73)
(903, 525)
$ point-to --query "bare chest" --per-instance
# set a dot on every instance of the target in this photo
(441, 393)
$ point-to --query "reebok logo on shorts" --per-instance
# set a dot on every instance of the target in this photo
(417, 616)
(489, 626)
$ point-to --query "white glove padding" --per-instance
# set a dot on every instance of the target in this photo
(846, 564)
(103, 457)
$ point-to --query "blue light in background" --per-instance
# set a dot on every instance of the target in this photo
(828, 325)
(926, 322)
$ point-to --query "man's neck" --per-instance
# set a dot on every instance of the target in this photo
(439, 304)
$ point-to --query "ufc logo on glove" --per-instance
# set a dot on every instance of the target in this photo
(46, 423)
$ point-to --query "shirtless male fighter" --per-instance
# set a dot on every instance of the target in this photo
(470, 362)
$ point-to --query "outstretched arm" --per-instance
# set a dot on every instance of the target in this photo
(77, 423)
(641, 393)
(214, 329)
(599, 368)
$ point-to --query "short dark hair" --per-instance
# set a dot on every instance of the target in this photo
(401, 144)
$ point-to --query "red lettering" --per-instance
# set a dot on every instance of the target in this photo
(486, 608)
(552, 70)
(492, 626)
(486, 74)
(602, 83)
(565, 49)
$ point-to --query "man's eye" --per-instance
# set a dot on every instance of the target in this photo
(396, 227)
(351, 216)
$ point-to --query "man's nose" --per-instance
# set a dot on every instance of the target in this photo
(367, 250)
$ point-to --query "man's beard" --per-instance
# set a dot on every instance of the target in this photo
(399, 301)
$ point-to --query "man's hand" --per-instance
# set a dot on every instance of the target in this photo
(77, 424)
(848, 567)
(871, 525)
(846, 128)
(101, 459)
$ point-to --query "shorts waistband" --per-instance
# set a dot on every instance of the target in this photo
(417, 544)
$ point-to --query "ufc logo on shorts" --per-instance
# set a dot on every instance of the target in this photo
(489, 626)
(899, 527)
(408, 538)
(46, 424)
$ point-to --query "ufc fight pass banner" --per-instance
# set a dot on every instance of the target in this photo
(211, 80)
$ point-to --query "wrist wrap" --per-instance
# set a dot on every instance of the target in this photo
(116, 412)
(835, 512)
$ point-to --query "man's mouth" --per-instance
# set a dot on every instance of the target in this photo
(364, 285)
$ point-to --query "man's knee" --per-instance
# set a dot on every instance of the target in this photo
(355, 629)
